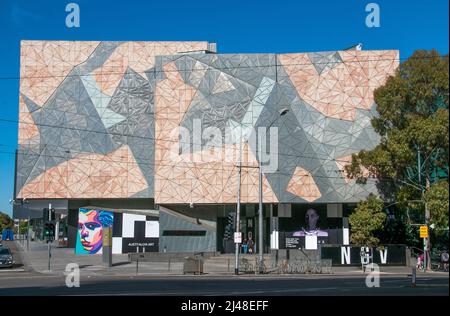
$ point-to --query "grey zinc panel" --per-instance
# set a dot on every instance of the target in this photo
(26, 161)
(74, 103)
(97, 58)
(324, 61)
(30, 104)
(184, 65)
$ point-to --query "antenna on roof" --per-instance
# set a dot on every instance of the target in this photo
(358, 46)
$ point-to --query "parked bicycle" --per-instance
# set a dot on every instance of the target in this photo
(260, 267)
(245, 266)
(444, 261)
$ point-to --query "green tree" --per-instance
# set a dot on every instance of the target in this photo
(367, 218)
(412, 156)
(438, 201)
(23, 226)
(5, 222)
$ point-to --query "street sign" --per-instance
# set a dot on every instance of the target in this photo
(423, 231)
(237, 237)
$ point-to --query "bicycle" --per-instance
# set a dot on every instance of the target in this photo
(258, 268)
(283, 267)
(444, 262)
(245, 266)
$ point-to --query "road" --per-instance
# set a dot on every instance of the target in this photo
(22, 281)
(27, 283)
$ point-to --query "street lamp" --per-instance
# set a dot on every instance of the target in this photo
(282, 112)
(238, 206)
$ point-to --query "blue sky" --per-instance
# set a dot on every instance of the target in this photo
(247, 26)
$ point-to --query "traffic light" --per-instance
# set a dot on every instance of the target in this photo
(49, 217)
(227, 234)
(49, 231)
(232, 220)
(230, 226)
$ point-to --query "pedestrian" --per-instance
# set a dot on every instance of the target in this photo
(245, 246)
(420, 260)
(250, 245)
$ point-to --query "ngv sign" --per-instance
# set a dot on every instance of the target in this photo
(356, 255)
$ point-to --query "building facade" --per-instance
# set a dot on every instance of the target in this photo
(157, 129)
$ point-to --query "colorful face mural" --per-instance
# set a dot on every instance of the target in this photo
(90, 230)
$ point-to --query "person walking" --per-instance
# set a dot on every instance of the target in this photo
(245, 246)
(251, 245)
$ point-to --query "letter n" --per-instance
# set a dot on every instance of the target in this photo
(345, 255)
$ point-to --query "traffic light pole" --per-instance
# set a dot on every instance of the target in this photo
(49, 253)
(238, 208)
(28, 231)
(426, 254)
(49, 239)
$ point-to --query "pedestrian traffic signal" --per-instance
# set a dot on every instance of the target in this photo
(232, 220)
(49, 231)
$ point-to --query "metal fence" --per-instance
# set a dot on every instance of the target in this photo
(293, 266)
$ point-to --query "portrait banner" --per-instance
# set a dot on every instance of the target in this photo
(91, 226)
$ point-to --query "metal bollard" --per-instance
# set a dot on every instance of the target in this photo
(137, 265)
(413, 278)
(169, 264)
(228, 265)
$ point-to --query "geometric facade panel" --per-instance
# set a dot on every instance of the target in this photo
(330, 100)
(143, 102)
(114, 175)
(303, 185)
(88, 100)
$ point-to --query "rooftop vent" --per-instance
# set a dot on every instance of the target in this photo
(358, 46)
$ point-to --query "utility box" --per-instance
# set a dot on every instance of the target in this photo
(193, 265)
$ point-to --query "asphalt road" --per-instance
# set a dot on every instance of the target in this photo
(26, 283)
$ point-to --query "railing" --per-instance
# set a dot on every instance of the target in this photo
(287, 266)
(305, 266)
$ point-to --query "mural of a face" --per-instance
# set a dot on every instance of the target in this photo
(312, 217)
(90, 230)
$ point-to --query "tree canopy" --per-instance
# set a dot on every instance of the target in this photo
(411, 160)
(5, 222)
(367, 218)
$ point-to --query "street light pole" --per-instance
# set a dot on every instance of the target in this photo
(238, 205)
(26, 202)
(260, 211)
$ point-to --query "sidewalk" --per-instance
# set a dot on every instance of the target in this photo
(36, 259)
